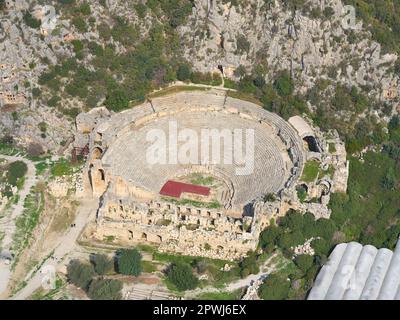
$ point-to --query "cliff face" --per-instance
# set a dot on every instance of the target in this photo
(312, 45)
(312, 42)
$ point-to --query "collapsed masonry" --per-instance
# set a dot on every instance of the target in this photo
(227, 223)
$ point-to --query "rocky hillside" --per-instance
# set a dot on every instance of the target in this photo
(312, 43)
(295, 56)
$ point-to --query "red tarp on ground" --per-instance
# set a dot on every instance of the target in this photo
(175, 189)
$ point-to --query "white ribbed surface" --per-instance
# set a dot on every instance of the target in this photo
(354, 272)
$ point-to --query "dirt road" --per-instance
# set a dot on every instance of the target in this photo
(7, 223)
(66, 244)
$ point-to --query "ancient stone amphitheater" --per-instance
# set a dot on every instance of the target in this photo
(131, 208)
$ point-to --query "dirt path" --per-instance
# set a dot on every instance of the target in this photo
(265, 270)
(66, 244)
(7, 223)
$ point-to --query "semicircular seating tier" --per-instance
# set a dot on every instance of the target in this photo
(278, 155)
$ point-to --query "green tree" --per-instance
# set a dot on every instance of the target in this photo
(31, 21)
(284, 85)
(80, 274)
(105, 289)
(183, 73)
(181, 275)
(130, 262)
(15, 171)
(389, 179)
(275, 287)
(240, 71)
(249, 265)
(36, 92)
(85, 9)
(301, 193)
(304, 262)
(117, 100)
(242, 44)
(79, 23)
(269, 236)
(102, 264)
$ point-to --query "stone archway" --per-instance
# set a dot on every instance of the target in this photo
(96, 153)
(97, 179)
(311, 143)
(325, 187)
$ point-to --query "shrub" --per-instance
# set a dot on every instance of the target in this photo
(80, 274)
(31, 21)
(130, 262)
(249, 265)
(16, 170)
(183, 72)
(275, 287)
(105, 289)
(140, 10)
(242, 44)
(36, 92)
(181, 275)
(53, 101)
(202, 78)
(7, 139)
(61, 168)
(284, 85)
(78, 45)
(85, 9)
(301, 193)
(304, 262)
(117, 100)
(389, 180)
(80, 24)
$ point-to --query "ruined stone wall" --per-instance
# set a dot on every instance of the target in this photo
(177, 228)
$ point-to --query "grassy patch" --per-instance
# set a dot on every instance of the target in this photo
(199, 179)
(245, 97)
(222, 295)
(109, 239)
(63, 168)
(27, 221)
(198, 204)
(331, 171)
(332, 148)
(230, 84)
(41, 167)
(8, 149)
(310, 171)
(146, 248)
(148, 266)
(175, 89)
(42, 294)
